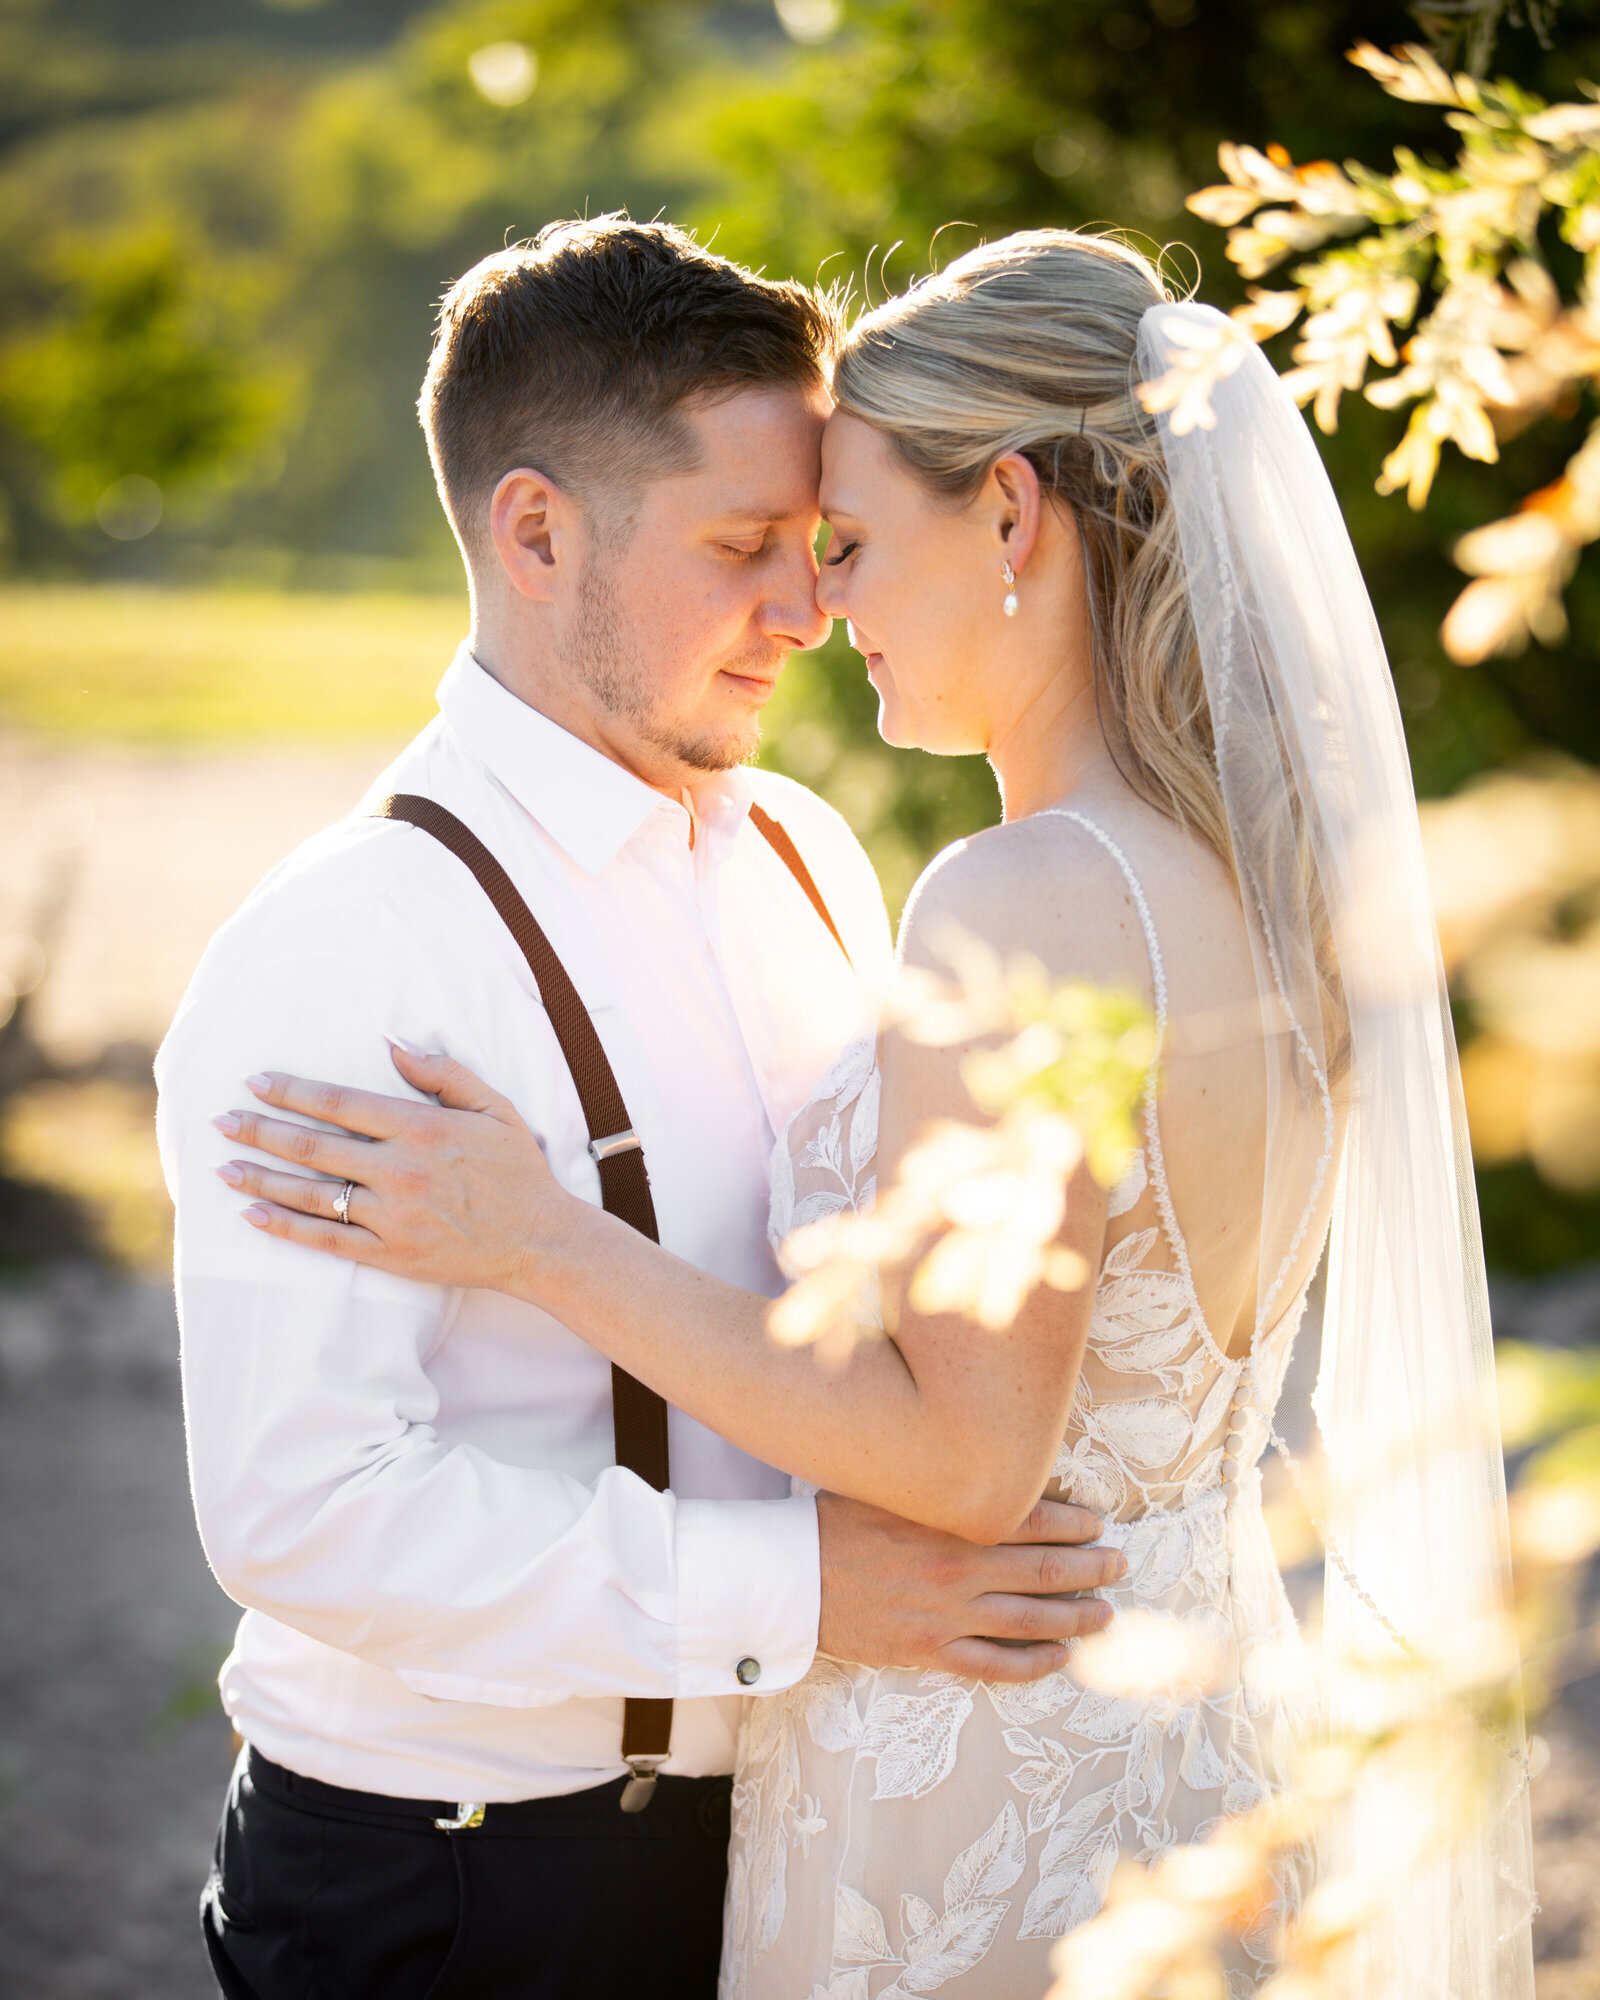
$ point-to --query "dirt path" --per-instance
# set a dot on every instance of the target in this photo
(166, 847)
(113, 1750)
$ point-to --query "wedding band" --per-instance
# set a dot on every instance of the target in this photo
(341, 1202)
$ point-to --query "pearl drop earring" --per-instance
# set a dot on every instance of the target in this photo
(1010, 605)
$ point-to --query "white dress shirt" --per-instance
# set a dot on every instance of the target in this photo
(450, 1585)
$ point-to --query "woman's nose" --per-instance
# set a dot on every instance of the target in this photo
(830, 592)
(814, 623)
(802, 615)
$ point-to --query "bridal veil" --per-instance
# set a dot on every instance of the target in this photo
(1365, 1112)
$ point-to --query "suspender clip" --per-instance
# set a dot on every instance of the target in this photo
(616, 1142)
(641, 1786)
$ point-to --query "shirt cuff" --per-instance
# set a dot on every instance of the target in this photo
(749, 1595)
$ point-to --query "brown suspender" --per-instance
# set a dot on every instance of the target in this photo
(639, 1416)
(789, 855)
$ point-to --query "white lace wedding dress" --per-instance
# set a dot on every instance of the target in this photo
(902, 1833)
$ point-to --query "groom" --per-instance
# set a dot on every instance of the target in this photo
(450, 1585)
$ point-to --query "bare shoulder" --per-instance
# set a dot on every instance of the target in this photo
(1050, 886)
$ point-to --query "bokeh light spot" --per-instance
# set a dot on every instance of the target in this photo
(809, 20)
(504, 73)
(129, 508)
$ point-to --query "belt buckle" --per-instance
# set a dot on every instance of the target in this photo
(469, 1813)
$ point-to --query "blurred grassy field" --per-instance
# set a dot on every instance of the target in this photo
(176, 668)
(193, 672)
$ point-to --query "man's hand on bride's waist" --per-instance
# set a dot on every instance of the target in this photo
(898, 1595)
(454, 1193)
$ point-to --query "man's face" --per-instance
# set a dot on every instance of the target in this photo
(688, 608)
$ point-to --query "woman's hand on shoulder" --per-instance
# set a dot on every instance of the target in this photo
(454, 1193)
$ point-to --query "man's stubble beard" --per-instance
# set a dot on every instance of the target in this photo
(608, 661)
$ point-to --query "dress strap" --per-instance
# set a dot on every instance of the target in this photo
(1152, 1121)
(1158, 971)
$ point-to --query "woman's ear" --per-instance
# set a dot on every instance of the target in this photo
(528, 519)
(1017, 502)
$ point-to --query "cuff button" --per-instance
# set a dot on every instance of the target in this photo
(748, 1671)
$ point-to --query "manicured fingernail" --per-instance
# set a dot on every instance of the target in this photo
(410, 1048)
(232, 1174)
(256, 1216)
(1119, 1568)
(259, 1084)
(227, 1124)
(1103, 1617)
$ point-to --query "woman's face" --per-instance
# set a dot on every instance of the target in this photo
(919, 579)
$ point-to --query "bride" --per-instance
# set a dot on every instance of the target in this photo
(1154, 628)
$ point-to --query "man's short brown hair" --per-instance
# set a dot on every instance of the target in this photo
(573, 355)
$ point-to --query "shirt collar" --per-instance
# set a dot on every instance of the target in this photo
(588, 805)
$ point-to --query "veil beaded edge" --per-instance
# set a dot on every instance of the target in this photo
(1322, 817)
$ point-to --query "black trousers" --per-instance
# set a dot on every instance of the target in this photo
(318, 1893)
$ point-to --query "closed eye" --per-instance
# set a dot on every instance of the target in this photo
(844, 555)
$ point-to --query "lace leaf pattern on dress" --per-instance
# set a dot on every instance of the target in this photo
(901, 1833)
(935, 1947)
(827, 1162)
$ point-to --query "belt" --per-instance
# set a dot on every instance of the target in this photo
(681, 1806)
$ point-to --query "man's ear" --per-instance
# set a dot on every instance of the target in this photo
(530, 523)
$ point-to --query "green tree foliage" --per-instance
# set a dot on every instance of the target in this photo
(135, 375)
(921, 113)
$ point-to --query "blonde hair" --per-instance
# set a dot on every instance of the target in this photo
(1027, 345)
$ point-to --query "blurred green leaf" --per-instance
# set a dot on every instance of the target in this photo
(1573, 1460)
(1545, 1391)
